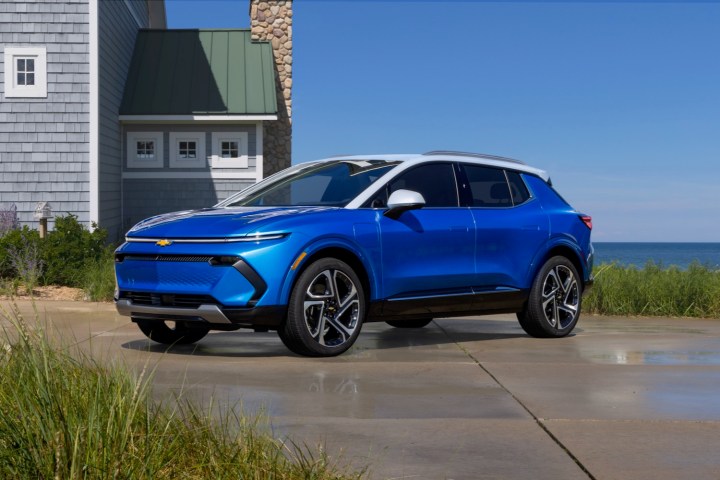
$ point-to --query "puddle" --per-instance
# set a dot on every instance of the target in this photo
(639, 328)
(657, 358)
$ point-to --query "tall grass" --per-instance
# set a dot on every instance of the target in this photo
(65, 416)
(98, 277)
(655, 291)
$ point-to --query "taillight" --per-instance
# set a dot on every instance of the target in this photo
(587, 220)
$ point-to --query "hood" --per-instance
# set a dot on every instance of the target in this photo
(223, 222)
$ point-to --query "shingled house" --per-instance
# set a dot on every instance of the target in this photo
(108, 115)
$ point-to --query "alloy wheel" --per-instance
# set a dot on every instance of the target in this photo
(560, 297)
(332, 308)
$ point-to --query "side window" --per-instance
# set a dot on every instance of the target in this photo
(488, 186)
(435, 182)
(518, 189)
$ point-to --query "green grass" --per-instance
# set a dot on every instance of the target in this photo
(98, 278)
(655, 291)
(63, 415)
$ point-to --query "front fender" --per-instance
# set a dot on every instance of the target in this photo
(315, 247)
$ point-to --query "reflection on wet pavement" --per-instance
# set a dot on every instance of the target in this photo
(657, 358)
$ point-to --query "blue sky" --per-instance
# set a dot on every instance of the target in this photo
(618, 101)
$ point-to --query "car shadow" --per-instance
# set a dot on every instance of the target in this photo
(220, 344)
(431, 336)
(375, 336)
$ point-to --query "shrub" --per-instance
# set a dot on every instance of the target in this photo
(71, 255)
(25, 260)
(68, 248)
(14, 241)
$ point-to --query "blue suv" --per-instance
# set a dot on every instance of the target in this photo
(317, 250)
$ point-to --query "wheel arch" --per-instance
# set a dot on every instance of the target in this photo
(341, 252)
(565, 250)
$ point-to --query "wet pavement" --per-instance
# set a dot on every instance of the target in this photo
(462, 398)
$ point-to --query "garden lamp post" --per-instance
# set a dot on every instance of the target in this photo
(43, 211)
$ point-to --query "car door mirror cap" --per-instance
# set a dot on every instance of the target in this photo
(403, 200)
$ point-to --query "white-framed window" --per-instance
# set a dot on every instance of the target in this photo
(230, 150)
(145, 150)
(25, 72)
(187, 150)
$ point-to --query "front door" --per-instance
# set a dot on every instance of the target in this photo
(428, 252)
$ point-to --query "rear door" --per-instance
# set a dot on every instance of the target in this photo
(510, 224)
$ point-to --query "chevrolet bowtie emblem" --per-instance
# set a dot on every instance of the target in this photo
(163, 243)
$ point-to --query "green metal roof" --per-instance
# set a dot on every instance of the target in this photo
(200, 72)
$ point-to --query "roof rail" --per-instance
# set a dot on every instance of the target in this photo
(476, 155)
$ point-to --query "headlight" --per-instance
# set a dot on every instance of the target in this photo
(257, 237)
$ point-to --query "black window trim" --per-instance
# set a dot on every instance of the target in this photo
(531, 196)
(466, 196)
(455, 170)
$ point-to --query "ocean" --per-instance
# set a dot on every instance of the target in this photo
(666, 254)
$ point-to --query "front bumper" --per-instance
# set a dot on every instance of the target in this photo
(213, 315)
(206, 313)
(212, 284)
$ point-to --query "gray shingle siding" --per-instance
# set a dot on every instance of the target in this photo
(44, 142)
(116, 44)
(144, 197)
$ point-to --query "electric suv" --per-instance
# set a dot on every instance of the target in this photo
(321, 248)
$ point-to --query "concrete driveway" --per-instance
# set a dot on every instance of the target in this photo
(471, 398)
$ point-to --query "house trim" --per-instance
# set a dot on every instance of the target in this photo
(184, 175)
(259, 162)
(130, 8)
(94, 114)
(196, 118)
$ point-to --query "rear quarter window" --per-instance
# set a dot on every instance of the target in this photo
(518, 190)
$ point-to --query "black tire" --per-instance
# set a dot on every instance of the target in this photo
(414, 323)
(553, 307)
(326, 310)
(182, 333)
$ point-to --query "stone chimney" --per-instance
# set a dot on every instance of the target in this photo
(271, 20)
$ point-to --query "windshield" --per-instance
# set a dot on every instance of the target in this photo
(333, 183)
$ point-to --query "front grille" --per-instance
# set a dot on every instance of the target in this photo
(169, 299)
(164, 258)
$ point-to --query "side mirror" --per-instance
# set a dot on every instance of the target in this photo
(403, 200)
